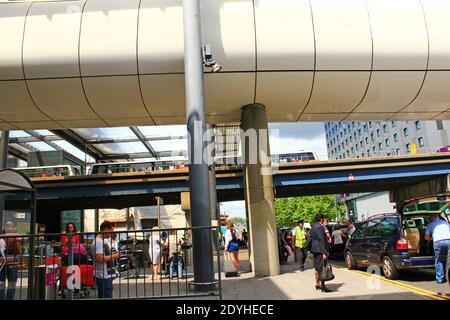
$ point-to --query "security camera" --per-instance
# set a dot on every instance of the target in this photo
(209, 62)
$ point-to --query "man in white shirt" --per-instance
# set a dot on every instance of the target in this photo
(104, 257)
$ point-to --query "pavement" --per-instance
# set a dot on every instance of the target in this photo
(292, 284)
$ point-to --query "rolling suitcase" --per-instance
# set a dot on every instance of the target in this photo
(228, 267)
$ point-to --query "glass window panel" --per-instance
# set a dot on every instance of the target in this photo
(41, 146)
(18, 134)
(178, 130)
(105, 133)
(118, 148)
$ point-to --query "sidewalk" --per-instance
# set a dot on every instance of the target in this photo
(291, 284)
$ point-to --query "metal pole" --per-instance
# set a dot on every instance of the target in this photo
(196, 127)
(32, 245)
(70, 263)
(158, 209)
(3, 165)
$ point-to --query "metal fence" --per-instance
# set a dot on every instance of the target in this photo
(137, 264)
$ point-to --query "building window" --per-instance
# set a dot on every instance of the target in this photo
(418, 125)
(405, 132)
(421, 143)
(380, 146)
(378, 132)
(365, 128)
(388, 154)
(353, 150)
(345, 132)
(386, 142)
(439, 125)
(370, 124)
(368, 153)
(361, 144)
(351, 138)
(384, 128)
(397, 152)
(367, 140)
(394, 124)
(357, 147)
(396, 137)
(372, 137)
(354, 135)
(374, 151)
(346, 142)
(359, 131)
(362, 155)
(408, 147)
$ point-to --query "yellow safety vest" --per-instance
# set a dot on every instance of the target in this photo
(300, 237)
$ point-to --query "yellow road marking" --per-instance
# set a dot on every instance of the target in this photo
(414, 289)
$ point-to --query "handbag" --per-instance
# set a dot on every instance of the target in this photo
(327, 272)
(229, 267)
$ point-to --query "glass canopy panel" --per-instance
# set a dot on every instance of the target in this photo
(159, 131)
(44, 132)
(169, 145)
(41, 146)
(105, 133)
(74, 151)
(121, 148)
(18, 134)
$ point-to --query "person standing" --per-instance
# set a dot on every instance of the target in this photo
(299, 233)
(12, 254)
(232, 244)
(104, 257)
(319, 250)
(154, 250)
(338, 242)
(439, 231)
(350, 228)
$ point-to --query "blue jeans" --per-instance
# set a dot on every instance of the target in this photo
(104, 288)
(9, 273)
(176, 260)
(440, 248)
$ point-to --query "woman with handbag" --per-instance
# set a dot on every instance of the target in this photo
(232, 244)
(320, 251)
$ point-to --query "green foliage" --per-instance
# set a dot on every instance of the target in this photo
(238, 220)
(290, 210)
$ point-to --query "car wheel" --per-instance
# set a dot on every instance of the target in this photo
(350, 261)
(389, 269)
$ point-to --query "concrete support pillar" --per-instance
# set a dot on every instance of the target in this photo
(4, 144)
(258, 188)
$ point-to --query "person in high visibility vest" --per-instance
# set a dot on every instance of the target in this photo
(299, 233)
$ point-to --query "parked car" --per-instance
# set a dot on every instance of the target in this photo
(395, 242)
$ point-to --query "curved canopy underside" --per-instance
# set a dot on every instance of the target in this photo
(98, 63)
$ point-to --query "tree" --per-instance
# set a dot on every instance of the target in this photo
(290, 210)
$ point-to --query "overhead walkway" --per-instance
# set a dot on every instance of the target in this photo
(100, 63)
(122, 190)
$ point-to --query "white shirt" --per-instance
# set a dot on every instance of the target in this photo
(2, 247)
(337, 237)
(229, 236)
(350, 230)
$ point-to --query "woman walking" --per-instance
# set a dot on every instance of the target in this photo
(154, 251)
(319, 249)
(232, 244)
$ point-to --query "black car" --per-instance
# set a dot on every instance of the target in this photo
(395, 242)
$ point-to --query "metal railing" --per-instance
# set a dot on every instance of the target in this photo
(135, 264)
